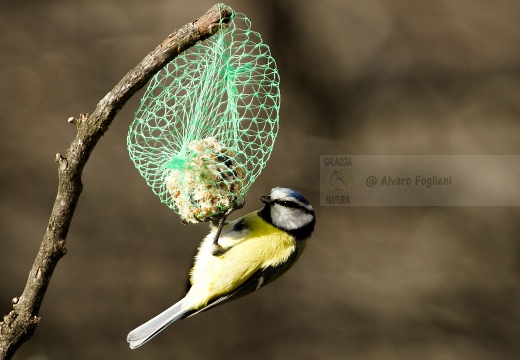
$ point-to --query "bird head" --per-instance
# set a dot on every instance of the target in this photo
(288, 210)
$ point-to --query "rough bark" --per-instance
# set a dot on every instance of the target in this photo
(19, 325)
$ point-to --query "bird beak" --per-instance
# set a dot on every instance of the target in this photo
(266, 199)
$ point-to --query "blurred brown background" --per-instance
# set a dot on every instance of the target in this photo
(358, 77)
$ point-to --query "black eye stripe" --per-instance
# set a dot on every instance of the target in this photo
(287, 203)
(291, 204)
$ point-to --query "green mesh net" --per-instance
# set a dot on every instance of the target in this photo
(207, 123)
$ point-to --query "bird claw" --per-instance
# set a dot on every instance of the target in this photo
(220, 221)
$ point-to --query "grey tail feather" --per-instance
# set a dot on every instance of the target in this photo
(149, 329)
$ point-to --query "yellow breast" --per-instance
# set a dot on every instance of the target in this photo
(258, 246)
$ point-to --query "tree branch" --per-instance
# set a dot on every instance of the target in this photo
(19, 325)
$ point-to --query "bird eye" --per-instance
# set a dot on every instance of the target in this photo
(285, 203)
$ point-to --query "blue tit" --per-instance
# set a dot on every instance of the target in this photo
(250, 252)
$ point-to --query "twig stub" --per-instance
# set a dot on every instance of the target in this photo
(19, 325)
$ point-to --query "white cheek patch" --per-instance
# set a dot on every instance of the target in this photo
(289, 218)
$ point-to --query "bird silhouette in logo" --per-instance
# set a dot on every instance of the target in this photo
(338, 181)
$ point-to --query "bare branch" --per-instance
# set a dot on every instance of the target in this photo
(19, 325)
